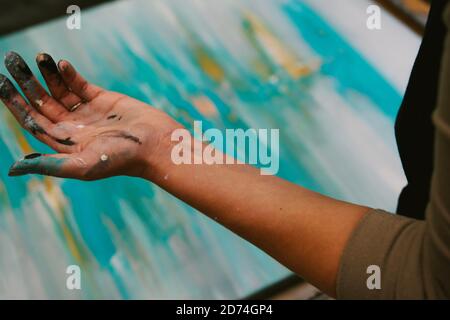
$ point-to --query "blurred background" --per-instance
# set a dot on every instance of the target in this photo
(18, 14)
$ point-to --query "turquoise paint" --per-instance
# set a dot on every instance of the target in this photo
(40, 165)
(342, 61)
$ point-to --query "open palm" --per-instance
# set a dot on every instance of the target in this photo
(97, 133)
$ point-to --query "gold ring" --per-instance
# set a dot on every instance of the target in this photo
(74, 107)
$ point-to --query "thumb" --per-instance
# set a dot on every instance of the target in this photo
(57, 165)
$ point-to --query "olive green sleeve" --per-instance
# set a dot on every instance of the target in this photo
(413, 256)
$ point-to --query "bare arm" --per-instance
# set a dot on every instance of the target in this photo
(109, 134)
(302, 229)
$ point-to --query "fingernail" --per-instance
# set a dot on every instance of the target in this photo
(12, 173)
(9, 54)
(17, 66)
(63, 65)
(44, 60)
(32, 155)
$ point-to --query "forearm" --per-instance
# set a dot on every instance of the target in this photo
(302, 229)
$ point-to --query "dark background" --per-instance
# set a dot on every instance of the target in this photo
(19, 14)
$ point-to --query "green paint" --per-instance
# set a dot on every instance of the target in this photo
(40, 165)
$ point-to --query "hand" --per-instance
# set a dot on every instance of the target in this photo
(97, 133)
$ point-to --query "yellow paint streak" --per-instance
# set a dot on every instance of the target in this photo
(280, 53)
(261, 68)
(208, 64)
(18, 133)
(58, 202)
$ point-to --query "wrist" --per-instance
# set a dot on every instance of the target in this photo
(157, 161)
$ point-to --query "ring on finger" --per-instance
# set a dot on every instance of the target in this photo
(74, 107)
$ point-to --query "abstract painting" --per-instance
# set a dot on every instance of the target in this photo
(232, 64)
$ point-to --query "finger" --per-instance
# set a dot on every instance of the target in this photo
(32, 89)
(77, 83)
(55, 82)
(56, 165)
(27, 116)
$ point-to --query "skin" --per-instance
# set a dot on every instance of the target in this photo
(110, 134)
(107, 123)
